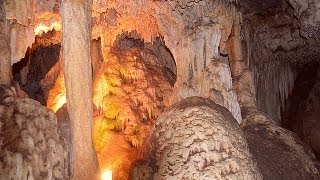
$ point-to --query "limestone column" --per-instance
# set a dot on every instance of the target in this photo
(76, 18)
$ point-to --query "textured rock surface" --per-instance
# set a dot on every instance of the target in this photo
(276, 40)
(130, 91)
(186, 26)
(279, 153)
(37, 64)
(194, 31)
(76, 54)
(31, 147)
(198, 139)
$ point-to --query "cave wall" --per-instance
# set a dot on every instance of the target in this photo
(280, 43)
(21, 19)
(276, 39)
(186, 26)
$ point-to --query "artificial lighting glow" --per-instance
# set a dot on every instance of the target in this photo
(107, 175)
(100, 91)
(40, 28)
(57, 95)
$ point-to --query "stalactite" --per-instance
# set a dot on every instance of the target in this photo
(274, 81)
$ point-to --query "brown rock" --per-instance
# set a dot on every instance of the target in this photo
(279, 153)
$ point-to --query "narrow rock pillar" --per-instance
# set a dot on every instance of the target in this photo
(241, 74)
(5, 62)
(76, 17)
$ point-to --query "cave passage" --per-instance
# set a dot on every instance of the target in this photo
(301, 112)
(38, 61)
(132, 82)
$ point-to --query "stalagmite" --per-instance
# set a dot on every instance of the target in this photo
(76, 15)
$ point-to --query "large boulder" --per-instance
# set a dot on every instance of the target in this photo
(198, 139)
(31, 147)
(280, 154)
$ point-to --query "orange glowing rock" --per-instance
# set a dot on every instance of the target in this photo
(57, 95)
(100, 91)
(107, 175)
(42, 28)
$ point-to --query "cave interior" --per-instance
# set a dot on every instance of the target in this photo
(179, 89)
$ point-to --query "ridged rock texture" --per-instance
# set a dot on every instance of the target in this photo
(280, 45)
(279, 153)
(31, 146)
(198, 139)
(186, 26)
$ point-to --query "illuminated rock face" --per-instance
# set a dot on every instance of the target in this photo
(198, 139)
(33, 70)
(207, 48)
(5, 61)
(22, 17)
(76, 55)
(203, 25)
(131, 89)
(31, 146)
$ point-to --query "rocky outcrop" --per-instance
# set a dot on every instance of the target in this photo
(185, 26)
(279, 153)
(23, 17)
(195, 32)
(198, 139)
(31, 147)
(5, 62)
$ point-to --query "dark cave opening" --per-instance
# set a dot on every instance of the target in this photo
(38, 61)
(301, 112)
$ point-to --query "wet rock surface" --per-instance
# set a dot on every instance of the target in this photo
(31, 147)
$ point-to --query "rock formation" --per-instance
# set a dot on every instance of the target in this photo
(258, 59)
(198, 139)
(279, 153)
(76, 54)
(31, 147)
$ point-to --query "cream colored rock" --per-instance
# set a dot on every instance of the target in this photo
(198, 139)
